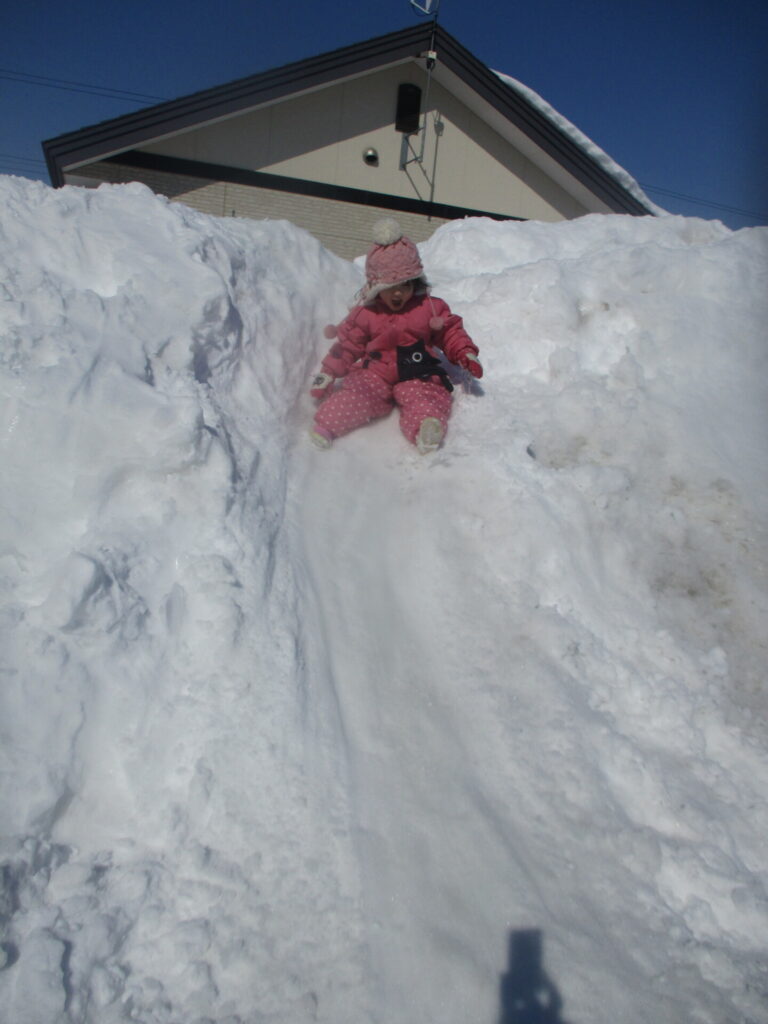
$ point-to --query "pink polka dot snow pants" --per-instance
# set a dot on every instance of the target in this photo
(364, 396)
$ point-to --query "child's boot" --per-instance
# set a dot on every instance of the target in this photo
(430, 435)
(320, 438)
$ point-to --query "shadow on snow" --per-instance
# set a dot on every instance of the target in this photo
(527, 994)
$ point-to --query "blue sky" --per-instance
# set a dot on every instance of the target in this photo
(676, 91)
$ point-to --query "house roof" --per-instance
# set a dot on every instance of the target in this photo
(509, 110)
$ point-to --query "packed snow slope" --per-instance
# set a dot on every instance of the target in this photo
(364, 737)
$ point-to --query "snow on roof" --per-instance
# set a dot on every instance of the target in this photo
(608, 164)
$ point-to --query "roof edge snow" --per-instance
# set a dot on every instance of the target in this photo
(622, 176)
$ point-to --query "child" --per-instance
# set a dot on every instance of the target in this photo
(385, 351)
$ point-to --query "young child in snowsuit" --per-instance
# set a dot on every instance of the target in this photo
(385, 350)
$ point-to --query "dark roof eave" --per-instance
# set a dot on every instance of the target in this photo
(131, 130)
(538, 127)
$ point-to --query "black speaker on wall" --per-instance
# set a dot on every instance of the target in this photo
(408, 114)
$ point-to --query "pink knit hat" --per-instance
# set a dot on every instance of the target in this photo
(391, 260)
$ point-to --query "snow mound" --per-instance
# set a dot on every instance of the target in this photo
(292, 736)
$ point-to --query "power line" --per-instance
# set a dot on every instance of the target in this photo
(28, 168)
(66, 85)
(25, 159)
(702, 202)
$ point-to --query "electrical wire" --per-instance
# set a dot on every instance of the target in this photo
(696, 200)
(13, 156)
(66, 85)
(22, 165)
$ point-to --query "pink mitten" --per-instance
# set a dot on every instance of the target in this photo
(470, 362)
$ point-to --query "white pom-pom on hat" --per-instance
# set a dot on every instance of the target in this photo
(391, 260)
(386, 231)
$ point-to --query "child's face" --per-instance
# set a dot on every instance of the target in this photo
(395, 298)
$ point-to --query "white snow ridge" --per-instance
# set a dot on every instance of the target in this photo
(366, 737)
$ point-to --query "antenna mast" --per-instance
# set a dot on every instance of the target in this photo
(429, 9)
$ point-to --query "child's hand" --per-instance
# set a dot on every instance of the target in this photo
(469, 361)
(321, 385)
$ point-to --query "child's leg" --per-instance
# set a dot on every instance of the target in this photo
(363, 397)
(419, 400)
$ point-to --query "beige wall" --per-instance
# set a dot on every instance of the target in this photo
(344, 228)
(321, 136)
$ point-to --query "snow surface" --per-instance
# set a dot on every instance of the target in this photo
(291, 736)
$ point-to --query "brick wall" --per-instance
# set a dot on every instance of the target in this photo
(344, 228)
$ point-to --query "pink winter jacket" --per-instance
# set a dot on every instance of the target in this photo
(370, 336)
